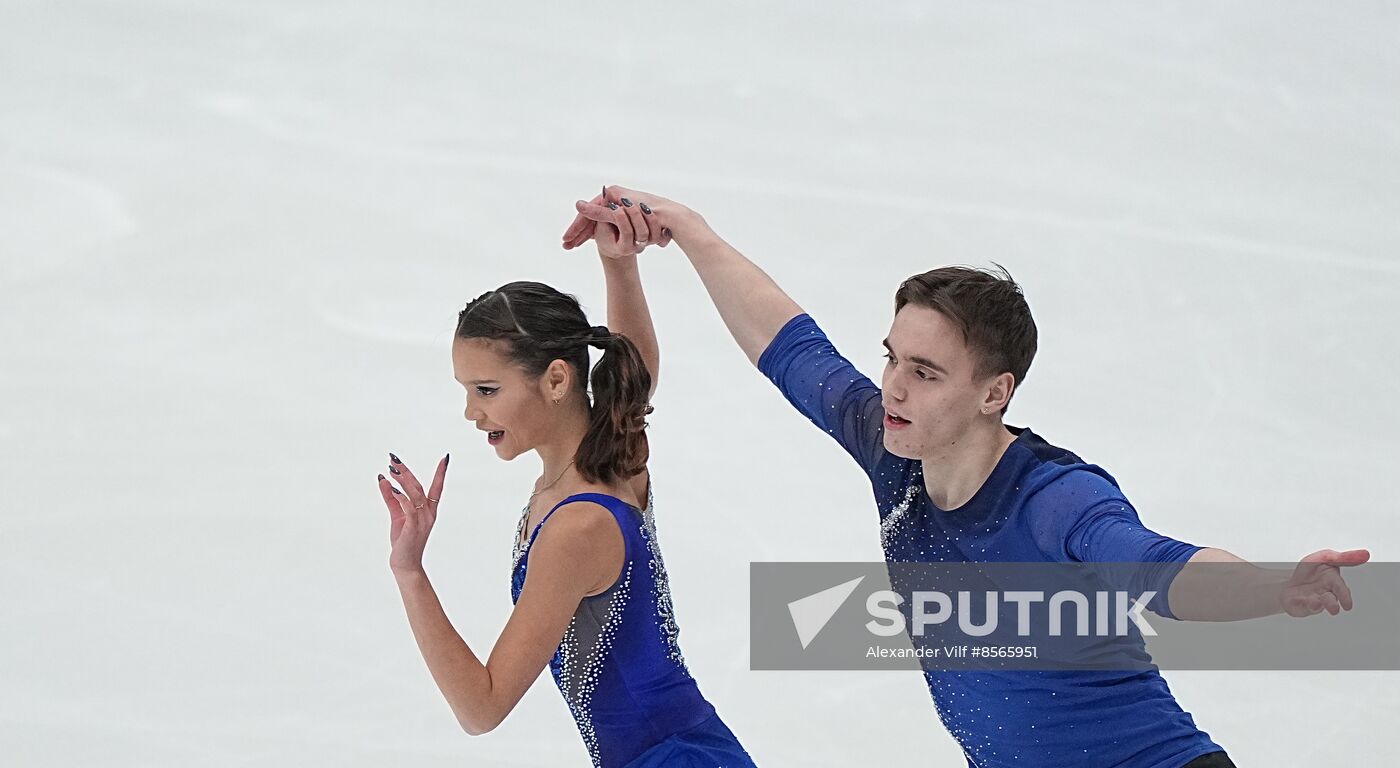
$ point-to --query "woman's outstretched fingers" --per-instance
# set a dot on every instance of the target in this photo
(640, 228)
(641, 231)
(411, 487)
(614, 193)
(653, 209)
(390, 495)
(640, 218)
(397, 516)
(439, 479)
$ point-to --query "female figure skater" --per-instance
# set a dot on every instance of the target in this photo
(589, 585)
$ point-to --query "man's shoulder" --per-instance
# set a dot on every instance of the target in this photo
(1057, 475)
(1043, 451)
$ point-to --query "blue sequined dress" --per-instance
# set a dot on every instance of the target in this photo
(620, 667)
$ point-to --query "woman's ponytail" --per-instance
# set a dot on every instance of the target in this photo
(615, 446)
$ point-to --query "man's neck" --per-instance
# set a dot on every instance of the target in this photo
(954, 476)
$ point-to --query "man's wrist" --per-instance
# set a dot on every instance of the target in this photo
(1272, 582)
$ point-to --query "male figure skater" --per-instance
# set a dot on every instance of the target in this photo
(953, 483)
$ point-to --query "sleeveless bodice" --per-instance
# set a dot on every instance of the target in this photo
(619, 665)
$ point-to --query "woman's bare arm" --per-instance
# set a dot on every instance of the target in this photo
(567, 562)
(628, 313)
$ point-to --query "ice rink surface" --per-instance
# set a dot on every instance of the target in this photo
(234, 238)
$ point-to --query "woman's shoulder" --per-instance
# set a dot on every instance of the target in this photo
(581, 541)
(578, 524)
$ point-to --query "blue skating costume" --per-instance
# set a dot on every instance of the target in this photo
(1041, 503)
(620, 667)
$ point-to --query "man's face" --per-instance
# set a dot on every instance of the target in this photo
(930, 396)
(512, 408)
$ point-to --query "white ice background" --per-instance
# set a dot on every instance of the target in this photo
(234, 238)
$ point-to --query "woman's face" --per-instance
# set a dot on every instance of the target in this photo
(513, 409)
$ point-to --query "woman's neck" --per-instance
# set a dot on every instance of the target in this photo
(557, 455)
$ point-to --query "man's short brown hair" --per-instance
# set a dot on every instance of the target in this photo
(987, 306)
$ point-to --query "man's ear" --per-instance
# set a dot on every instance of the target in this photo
(999, 393)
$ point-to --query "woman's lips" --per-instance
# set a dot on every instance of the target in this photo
(894, 422)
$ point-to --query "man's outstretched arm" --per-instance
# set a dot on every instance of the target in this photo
(1192, 583)
(752, 306)
(1215, 585)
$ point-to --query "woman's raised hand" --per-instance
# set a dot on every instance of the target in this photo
(623, 221)
(612, 241)
(412, 513)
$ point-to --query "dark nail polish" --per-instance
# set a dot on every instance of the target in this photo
(645, 208)
(381, 477)
(605, 191)
(665, 232)
(395, 458)
(446, 458)
(395, 471)
(612, 206)
(626, 202)
(396, 490)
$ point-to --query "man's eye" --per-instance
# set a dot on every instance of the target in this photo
(888, 357)
(922, 375)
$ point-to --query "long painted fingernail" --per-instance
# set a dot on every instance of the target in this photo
(446, 458)
(395, 471)
(612, 206)
(645, 208)
(626, 202)
(396, 490)
(395, 458)
(381, 477)
(605, 191)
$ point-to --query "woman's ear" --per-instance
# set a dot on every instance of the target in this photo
(557, 380)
